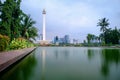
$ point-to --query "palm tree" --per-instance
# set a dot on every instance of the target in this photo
(28, 31)
(32, 33)
(103, 23)
(89, 38)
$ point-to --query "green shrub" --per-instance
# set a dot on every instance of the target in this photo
(20, 43)
(103, 43)
(4, 42)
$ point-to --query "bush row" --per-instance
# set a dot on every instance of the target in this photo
(18, 43)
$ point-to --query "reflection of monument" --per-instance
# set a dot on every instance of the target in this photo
(43, 64)
(44, 41)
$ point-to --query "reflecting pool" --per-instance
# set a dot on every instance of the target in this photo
(67, 63)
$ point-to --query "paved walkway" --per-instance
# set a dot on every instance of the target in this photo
(10, 57)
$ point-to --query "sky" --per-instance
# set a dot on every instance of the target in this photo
(75, 18)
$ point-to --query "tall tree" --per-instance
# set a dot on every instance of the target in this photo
(14, 23)
(15, 26)
(10, 18)
(6, 18)
(103, 23)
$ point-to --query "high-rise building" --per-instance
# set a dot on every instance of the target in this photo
(56, 40)
(63, 40)
(66, 39)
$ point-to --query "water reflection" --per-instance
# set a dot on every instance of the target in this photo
(21, 71)
(109, 56)
(90, 54)
(105, 69)
(65, 53)
(67, 63)
(61, 53)
(43, 63)
(56, 54)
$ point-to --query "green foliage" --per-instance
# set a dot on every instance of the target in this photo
(91, 37)
(111, 36)
(4, 42)
(14, 23)
(0, 5)
(32, 32)
(108, 36)
(20, 43)
(10, 18)
(103, 43)
(28, 30)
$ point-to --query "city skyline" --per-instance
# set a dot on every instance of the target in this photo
(76, 18)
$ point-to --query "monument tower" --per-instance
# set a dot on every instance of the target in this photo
(44, 41)
(44, 24)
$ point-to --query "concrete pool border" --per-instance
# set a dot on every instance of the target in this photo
(9, 58)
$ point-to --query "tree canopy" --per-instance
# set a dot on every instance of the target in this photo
(103, 23)
(14, 23)
(108, 35)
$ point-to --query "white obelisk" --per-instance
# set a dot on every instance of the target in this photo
(44, 26)
(44, 42)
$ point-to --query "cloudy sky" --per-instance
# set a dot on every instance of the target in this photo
(75, 18)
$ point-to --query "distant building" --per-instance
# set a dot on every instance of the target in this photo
(63, 40)
(66, 39)
(56, 40)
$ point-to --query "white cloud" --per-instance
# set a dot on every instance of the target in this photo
(76, 15)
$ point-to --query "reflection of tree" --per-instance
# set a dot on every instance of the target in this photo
(105, 69)
(21, 71)
(109, 56)
(90, 53)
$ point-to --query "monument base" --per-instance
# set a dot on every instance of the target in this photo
(44, 43)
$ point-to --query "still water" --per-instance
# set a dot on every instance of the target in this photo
(67, 63)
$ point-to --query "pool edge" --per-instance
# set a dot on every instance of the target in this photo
(22, 53)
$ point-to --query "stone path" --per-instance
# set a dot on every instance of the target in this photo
(10, 57)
